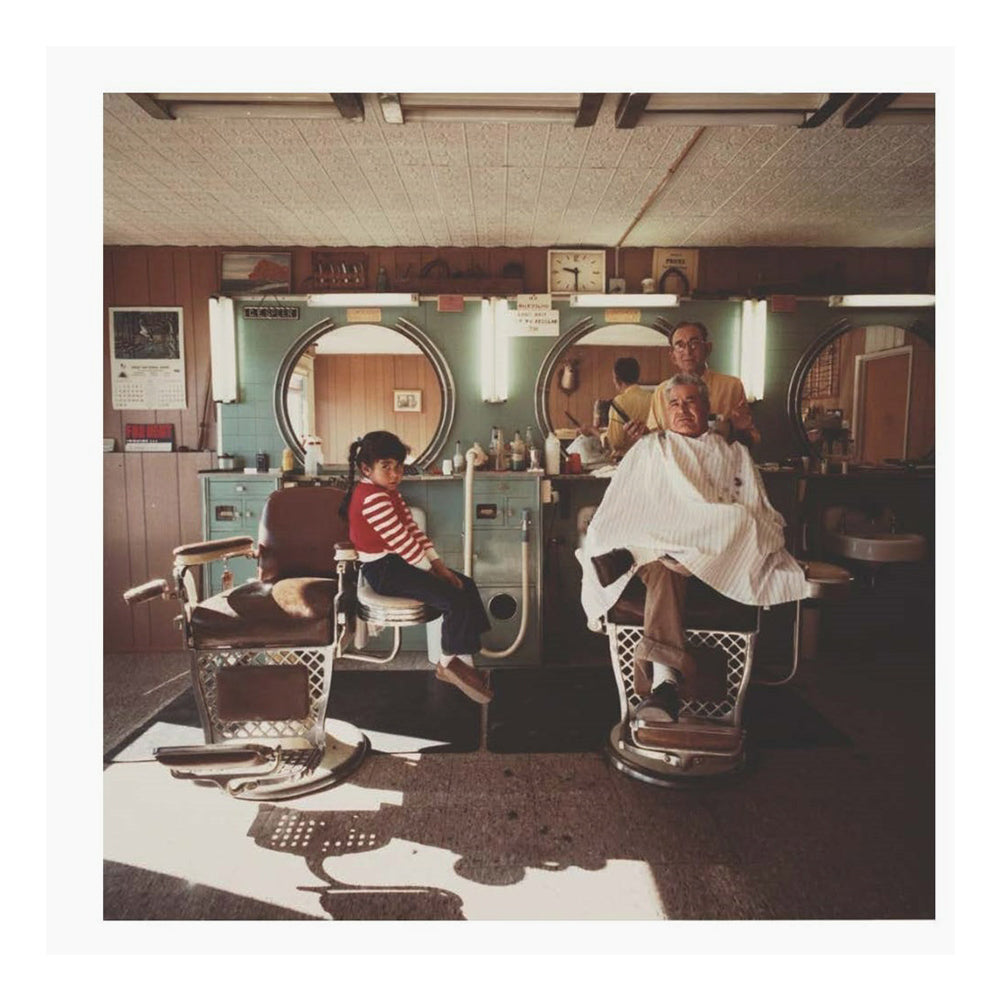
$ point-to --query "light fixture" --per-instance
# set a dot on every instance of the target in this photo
(222, 347)
(403, 299)
(753, 347)
(635, 301)
(493, 351)
(861, 301)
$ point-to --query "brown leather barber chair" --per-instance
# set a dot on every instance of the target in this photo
(262, 653)
(708, 739)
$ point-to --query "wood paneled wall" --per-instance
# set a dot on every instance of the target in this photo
(354, 394)
(151, 501)
(721, 270)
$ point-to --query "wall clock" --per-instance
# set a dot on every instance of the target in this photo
(576, 270)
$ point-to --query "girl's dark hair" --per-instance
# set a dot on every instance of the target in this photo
(368, 450)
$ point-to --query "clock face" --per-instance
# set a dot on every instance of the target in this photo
(576, 270)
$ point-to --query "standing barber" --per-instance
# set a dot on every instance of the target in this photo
(690, 347)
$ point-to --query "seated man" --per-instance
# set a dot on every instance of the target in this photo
(684, 502)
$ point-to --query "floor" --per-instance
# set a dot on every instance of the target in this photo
(513, 812)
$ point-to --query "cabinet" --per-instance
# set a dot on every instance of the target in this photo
(231, 505)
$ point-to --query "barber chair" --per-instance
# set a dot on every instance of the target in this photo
(708, 740)
(262, 653)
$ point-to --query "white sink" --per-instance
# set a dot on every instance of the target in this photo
(876, 546)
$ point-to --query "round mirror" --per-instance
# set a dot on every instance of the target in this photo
(576, 376)
(866, 393)
(339, 382)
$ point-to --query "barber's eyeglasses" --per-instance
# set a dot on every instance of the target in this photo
(687, 345)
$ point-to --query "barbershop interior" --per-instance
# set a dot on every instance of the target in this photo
(286, 273)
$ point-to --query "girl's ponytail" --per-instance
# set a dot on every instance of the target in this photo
(352, 455)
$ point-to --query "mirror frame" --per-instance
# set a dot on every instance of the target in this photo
(811, 353)
(401, 326)
(575, 333)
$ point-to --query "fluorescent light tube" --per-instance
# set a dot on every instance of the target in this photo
(753, 347)
(859, 301)
(222, 348)
(363, 299)
(637, 301)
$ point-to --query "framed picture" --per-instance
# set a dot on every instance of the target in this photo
(246, 273)
(407, 400)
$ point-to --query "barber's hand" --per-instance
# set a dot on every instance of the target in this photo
(634, 430)
(439, 569)
(740, 418)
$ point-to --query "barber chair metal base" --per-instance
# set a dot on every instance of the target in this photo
(707, 741)
(285, 769)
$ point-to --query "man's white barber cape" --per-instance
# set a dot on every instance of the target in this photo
(700, 501)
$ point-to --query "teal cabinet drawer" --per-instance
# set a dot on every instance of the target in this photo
(258, 489)
(524, 491)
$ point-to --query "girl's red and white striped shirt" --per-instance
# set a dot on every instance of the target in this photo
(381, 523)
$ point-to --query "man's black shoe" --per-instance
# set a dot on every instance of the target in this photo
(662, 705)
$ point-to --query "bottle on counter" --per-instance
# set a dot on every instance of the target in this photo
(494, 442)
(314, 455)
(498, 451)
(552, 451)
(458, 462)
(517, 453)
(287, 460)
(534, 452)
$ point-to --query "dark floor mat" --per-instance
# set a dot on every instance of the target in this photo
(412, 703)
(406, 703)
(572, 711)
(551, 710)
(777, 718)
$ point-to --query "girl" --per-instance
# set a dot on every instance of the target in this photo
(398, 559)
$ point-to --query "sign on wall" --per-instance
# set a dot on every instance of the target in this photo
(147, 358)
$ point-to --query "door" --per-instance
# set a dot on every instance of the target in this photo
(884, 399)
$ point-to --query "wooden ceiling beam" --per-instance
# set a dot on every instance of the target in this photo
(630, 108)
(865, 107)
(350, 106)
(153, 107)
(832, 103)
(586, 113)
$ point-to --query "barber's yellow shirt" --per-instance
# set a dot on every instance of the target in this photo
(726, 399)
(635, 402)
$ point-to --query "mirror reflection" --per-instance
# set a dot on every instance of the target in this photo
(358, 378)
(868, 396)
(581, 382)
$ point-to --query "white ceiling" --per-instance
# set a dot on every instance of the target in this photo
(279, 178)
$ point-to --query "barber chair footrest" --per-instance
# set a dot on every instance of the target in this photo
(688, 735)
(669, 762)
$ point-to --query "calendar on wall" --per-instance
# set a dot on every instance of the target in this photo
(147, 358)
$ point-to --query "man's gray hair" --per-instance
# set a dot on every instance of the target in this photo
(684, 378)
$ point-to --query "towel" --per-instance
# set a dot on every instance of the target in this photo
(701, 502)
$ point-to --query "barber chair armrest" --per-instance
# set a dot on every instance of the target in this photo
(147, 592)
(199, 553)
